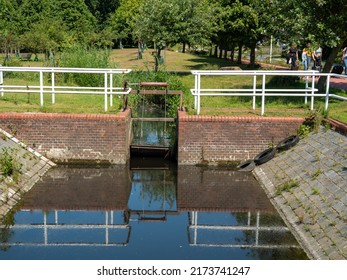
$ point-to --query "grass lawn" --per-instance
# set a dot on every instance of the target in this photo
(181, 64)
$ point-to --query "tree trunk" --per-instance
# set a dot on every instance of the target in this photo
(225, 54)
(252, 56)
(184, 48)
(232, 54)
(215, 51)
(239, 57)
(220, 53)
(328, 64)
(157, 57)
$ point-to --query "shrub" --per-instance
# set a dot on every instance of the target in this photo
(9, 166)
(79, 57)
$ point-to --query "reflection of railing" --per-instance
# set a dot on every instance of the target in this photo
(105, 230)
(194, 227)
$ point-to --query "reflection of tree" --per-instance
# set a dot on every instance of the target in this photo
(158, 186)
(5, 230)
(157, 133)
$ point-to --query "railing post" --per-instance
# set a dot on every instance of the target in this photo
(195, 91)
(105, 90)
(53, 85)
(306, 87)
(198, 94)
(327, 92)
(41, 88)
(1, 82)
(263, 95)
(111, 89)
(254, 90)
(312, 92)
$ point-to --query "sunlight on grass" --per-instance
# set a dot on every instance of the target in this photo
(181, 64)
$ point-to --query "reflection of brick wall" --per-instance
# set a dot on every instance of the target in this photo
(218, 190)
(214, 139)
(75, 188)
(73, 137)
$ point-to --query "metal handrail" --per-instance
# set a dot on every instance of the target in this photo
(107, 90)
(263, 92)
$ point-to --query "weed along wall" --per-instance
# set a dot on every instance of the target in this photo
(73, 137)
(211, 140)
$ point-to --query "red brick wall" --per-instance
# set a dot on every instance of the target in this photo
(73, 137)
(208, 139)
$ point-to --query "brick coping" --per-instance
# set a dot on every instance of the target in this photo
(36, 115)
(184, 117)
(337, 126)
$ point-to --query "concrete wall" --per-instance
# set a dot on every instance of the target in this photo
(73, 137)
(208, 139)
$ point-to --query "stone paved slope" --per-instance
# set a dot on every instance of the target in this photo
(33, 166)
(315, 202)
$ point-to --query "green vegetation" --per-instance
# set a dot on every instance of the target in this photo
(9, 166)
(286, 187)
(315, 174)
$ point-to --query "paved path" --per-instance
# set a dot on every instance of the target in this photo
(315, 206)
(338, 83)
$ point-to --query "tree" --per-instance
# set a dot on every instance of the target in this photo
(8, 26)
(77, 17)
(33, 11)
(102, 10)
(123, 20)
(195, 23)
(240, 25)
(319, 21)
(168, 22)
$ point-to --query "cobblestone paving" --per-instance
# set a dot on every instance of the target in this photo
(308, 186)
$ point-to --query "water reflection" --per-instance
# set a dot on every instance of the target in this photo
(147, 212)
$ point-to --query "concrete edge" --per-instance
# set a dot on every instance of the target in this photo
(26, 147)
(27, 180)
(308, 243)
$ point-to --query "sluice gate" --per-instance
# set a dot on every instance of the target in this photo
(153, 132)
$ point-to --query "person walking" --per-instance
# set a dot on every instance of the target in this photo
(344, 59)
(307, 56)
(293, 57)
(317, 57)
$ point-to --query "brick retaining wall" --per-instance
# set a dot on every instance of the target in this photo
(73, 137)
(213, 139)
(106, 138)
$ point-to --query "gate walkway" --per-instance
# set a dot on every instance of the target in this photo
(315, 208)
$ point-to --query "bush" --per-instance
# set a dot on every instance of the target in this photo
(79, 57)
(173, 81)
(9, 167)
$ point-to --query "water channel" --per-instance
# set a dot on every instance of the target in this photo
(149, 209)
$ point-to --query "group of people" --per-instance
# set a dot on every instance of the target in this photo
(308, 54)
(311, 54)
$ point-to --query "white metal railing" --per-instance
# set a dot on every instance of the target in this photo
(107, 89)
(263, 92)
